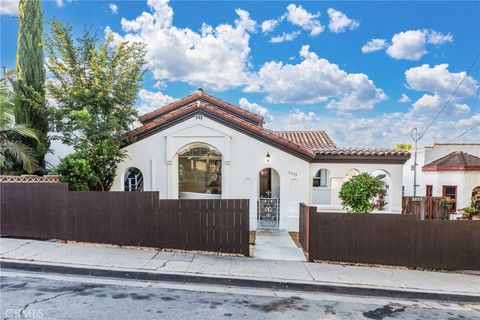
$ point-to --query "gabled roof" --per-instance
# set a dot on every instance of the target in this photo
(313, 140)
(309, 145)
(163, 121)
(199, 95)
(455, 161)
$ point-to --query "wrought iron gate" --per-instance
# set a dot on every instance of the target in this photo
(268, 213)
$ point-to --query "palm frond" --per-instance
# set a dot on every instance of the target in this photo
(18, 152)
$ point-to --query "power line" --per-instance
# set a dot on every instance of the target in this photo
(465, 132)
(450, 97)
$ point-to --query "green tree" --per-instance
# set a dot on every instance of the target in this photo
(13, 152)
(94, 86)
(76, 171)
(29, 86)
(404, 146)
(358, 192)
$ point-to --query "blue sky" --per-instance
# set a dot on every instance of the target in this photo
(366, 72)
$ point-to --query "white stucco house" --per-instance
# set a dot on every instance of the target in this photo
(446, 169)
(203, 147)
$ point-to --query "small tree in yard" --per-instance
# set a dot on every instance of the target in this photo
(94, 87)
(358, 192)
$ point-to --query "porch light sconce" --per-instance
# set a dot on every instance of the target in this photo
(267, 157)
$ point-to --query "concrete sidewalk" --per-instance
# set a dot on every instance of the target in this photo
(175, 264)
(276, 245)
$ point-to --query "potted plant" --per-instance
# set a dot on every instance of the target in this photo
(448, 202)
(468, 212)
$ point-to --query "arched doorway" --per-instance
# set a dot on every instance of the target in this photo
(268, 208)
(199, 172)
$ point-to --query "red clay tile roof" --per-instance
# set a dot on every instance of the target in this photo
(312, 140)
(455, 161)
(309, 144)
(231, 119)
(364, 152)
(200, 96)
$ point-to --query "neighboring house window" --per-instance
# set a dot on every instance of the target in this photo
(321, 179)
(133, 180)
(403, 191)
(429, 190)
(450, 191)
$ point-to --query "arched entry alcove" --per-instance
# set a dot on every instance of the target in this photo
(268, 208)
(199, 172)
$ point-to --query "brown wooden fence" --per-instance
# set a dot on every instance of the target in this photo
(391, 239)
(50, 211)
(425, 208)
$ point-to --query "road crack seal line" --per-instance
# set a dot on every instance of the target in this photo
(50, 298)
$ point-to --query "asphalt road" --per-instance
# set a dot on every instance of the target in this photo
(33, 296)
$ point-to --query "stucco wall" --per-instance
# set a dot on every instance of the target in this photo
(242, 159)
(465, 181)
(338, 172)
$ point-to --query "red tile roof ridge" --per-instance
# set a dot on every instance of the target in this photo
(196, 96)
(227, 116)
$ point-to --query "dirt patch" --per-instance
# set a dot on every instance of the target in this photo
(252, 237)
(296, 238)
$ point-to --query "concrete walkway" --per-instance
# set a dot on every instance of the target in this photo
(276, 245)
(77, 255)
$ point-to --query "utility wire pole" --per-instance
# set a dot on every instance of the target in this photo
(416, 138)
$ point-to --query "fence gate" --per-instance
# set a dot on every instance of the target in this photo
(268, 213)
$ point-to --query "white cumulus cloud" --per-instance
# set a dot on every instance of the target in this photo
(269, 25)
(113, 8)
(214, 57)
(374, 45)
(438, 38)
(285, 37)
(438, 79)
(149, 101)
(300, 17)
(255, 108)
(408, 45)
(339, 22)
(404, 98)
(440, 83)
(315, 80)
(9, 7)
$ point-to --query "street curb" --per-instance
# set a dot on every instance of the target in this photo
(235, 282)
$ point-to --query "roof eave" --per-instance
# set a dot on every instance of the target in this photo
(451, 168)
(379, 159)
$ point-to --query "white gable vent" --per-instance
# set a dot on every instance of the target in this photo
(199, 117)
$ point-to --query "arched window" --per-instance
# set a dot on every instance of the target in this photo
(321, 179)
(352, 173)
(382, 201)
(199, 172)
(133, 180)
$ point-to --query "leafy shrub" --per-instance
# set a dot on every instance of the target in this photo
(76, 171)
(358, 192)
